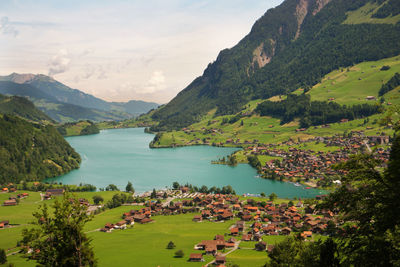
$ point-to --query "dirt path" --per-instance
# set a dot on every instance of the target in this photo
(227, 253)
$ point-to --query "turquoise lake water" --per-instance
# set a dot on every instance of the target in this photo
(121, 155)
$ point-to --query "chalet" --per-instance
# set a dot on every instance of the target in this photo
(5, 190)
(261, 246)
(247, 237)
(197, 218)
(55, 192)
(196, 257)
(219, 237)
(240, 225)
(286, 231)
(120, 225)
(220, 260)
(225, 216)
(370, 98)
(139, 218)
(234, 231)
(11, 202)
(206, 214)
(145, 220)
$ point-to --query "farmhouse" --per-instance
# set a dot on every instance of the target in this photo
(196, 257)
(11, 202)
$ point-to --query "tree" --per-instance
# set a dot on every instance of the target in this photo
(179, 254)
(153, 193)
(129, 188)
(272, 196)
(58, 239)
(171, 245)
(175, 185)
(3, 256)
(262, 194)
(97, 199)
(112, 187)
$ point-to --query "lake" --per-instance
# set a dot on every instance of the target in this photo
(121, 155)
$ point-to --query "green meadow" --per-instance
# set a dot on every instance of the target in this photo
(140, 245)
(347, 86)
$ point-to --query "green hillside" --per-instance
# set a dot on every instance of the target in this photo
(343, 85)
(32, 151)
(285, 50)
(22, 107)
(78, 128)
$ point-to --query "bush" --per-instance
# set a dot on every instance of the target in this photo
(179, 254)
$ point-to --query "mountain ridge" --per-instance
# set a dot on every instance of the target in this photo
(292, 46)
(46, 92)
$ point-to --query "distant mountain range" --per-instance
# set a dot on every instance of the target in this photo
(65, 104)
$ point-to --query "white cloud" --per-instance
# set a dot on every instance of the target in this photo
(156, 83)
(7, 28)
(59, 63)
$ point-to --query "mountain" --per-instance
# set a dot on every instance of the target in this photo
(64, 104)
(22, 107)
(292, 46)
(134, 107)
(32, 151)
(65, 94)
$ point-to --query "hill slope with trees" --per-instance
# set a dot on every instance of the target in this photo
(292, 46)
(31, 151)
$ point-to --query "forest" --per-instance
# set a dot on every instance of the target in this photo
(324, 44)
(313, 113)
(32, 152)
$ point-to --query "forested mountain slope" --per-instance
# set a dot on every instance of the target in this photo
(31, 151)
(292, 46)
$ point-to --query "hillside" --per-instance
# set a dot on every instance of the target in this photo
(343, 86)
(292, 46)
(32, 152)
(22, 107)
(57, 110)
(52, 90)
(78, 128)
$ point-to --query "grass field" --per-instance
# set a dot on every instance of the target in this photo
(364, 15)
(141, 245)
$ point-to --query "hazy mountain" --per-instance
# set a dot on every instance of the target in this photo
(22, 107)
(63, 103)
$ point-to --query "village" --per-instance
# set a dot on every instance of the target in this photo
(316, 168)
(252, 220)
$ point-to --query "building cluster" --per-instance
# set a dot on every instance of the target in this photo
(298, 164)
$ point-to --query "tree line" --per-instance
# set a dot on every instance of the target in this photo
(313, 113)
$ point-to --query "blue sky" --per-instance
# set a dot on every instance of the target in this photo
(120, 50)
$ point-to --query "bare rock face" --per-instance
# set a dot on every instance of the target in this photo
(301, 13)
(320, 5)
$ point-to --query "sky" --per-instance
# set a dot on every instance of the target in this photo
(120, 50)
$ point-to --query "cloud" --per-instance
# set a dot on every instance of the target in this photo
(59, 63)
(6, 27)
(155, 83)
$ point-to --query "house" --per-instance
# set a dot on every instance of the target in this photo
(247, 237)
(234, 231)
(370, 97)
(261, 246)
(219, 237)
(55, 192)
(11, 202)
(120, 225)
(197, 218)
(146, 220)
(5, 190)
(226, 215)
(220, 260)
(286, 231)
(196, 257)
